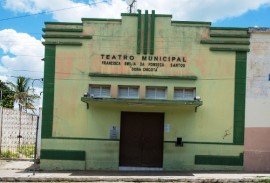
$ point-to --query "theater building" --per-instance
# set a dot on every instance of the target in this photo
(143, 92)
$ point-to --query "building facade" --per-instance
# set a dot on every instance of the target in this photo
(143, 92)
(257, 126)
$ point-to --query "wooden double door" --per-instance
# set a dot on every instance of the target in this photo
(141, 139)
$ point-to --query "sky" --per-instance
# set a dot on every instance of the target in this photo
(21, 23)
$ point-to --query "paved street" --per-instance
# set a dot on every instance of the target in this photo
(22, 171)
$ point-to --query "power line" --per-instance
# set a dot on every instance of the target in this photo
(25, 70)
(48, 12)
(20, 76)
(23, 55)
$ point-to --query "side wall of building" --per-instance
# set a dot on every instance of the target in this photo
(257, 131)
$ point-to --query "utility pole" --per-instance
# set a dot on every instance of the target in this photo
(35, 153)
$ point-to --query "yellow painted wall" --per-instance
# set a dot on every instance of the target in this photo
(215, 85)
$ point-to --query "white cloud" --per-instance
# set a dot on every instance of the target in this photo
(3, 69)
(200, 10)
(22, 55)
(73, 11)
(3, 72)
(38, 102)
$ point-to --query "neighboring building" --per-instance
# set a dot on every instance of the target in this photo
(143, 92)
(257, 131)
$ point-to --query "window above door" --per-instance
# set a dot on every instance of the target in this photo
(156, 92)
(100, 91)
(128, 91)
(184, 93)
(131, 95)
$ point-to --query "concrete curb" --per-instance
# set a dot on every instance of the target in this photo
(22, 171)
(131, 179)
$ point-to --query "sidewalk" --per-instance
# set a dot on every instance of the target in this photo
(22, 171)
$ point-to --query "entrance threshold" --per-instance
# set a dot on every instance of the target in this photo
(134, 168)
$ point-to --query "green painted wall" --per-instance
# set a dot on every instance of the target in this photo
(209, 131)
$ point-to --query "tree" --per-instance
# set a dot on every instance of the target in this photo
(22, 94)
(6, 96)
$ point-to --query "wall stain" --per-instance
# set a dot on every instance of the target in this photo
(227, 133)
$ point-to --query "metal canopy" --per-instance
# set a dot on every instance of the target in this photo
(157, 102)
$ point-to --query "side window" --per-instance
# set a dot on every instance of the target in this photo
(156, 92)
(128, 91)
(184, 93)
(100, 91)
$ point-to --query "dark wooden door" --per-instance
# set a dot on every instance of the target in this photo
(141, 139)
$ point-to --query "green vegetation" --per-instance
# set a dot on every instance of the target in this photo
(28, 151)
(9, 154)
(263, 179)
(21, 93)
(7, 95)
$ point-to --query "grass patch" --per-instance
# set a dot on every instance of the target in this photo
(28, 151)
(9, 154)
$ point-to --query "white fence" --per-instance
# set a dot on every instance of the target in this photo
(17, 133)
